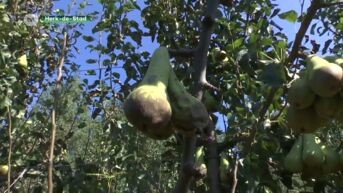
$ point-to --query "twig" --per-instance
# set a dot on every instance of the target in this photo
(227, 3)
(234, 178)
(232, 143)
(262, 113)
(21, 175)
(280, 112)
(210, 86)
(182, 52)
(302, 7)
(10, 148)
(53, 114)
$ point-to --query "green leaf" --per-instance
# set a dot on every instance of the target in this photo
(5, 102)
(91, 72)
(91, 61)
(88, 38)
(290, 16)
(326, 46)
(274, 75)
(82, 125)
(238, 42)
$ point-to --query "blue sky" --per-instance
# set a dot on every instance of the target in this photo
(289, 29)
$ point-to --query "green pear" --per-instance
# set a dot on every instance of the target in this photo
(224, 170)
(300, 94)
(332, 160)
(22, 61)
(334, 59)
(327, 107)
(312, 153)
(312, 172)
(293, 160)
(211, 104)
(189, 113)
(324, 78)
(304, 120)
(339, 112)
(147, 107)
(340, 154)
(199, 160)
(341, 93)
(3, 170)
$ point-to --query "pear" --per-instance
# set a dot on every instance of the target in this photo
(339, 112)
(332, 160)
(312, 153)
(22, 61)
(21, 66)
(147, 107)
(211, 104)
(3, 170)
(327, 107)
(339, 61)
(293, 160)
(300, 94)
(324, 78)
(199, 161)
(224, 170)
(334, 59)
(340, 154)
(312, 172)
(189, 113)
(305, 120)
(293, 121)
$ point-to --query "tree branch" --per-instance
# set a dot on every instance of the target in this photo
(200, 56)
(10, 141)
(234, 178)
(227, 3)
(213, 166)
(53, 114)
(182, 52)
(200, 59)
(186, 176)
(260, 119)
(21, 175)
(311, 12)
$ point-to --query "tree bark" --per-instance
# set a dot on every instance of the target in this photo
(200, 59)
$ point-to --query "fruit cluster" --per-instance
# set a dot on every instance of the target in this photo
(310, 156)
(160, 104)
(315, 98)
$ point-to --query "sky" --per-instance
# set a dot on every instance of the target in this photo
(289, 29)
